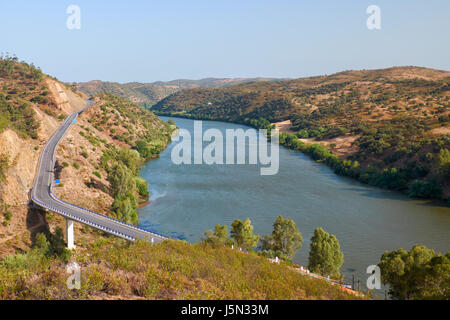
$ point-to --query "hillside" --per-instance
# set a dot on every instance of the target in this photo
(391, 126)
(143, 94)
(32, 106)
(114, 269)
(147, 94)
(103, 137)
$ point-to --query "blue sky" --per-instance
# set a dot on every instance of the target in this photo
(163, 40)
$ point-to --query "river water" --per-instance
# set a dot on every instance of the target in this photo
(189, 199)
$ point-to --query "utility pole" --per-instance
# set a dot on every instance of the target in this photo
(353, 281)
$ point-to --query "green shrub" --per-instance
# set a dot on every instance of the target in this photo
(125, 209)
(142, 187)
(7, 213)
(424, 189)
(97, 174)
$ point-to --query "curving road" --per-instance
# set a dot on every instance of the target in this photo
(42, 194)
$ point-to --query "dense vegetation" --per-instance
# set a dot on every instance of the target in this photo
(399, 118)
(325, 256)
(402, 179)
(132, 126)
(284, 241)
(416, 274)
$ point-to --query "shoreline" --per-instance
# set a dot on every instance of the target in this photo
(430, 201)
(147, 202)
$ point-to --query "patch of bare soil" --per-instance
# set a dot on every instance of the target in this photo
(441, 131)
(65, 99)
(284, 126)
(341, 146)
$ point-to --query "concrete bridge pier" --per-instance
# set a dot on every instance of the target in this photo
(69, 234)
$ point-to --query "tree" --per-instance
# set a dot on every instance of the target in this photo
(121, 180)
(218, 237)
(242, 234)
(142, 187)
(325, 256)
(424, 189)
(42, 244)
(131, 159)
(444, 163)
(285, 239)
(415, 274)
(436, 284)
(125, 209)
(58, 245)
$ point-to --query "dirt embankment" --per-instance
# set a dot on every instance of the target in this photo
(83, 182)
(341, 146)
(284, 126)
(23, 155)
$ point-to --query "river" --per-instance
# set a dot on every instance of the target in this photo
(186, 200)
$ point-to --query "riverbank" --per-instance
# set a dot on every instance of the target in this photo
(336, 158)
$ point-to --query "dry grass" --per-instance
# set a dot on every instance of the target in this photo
(115, 269)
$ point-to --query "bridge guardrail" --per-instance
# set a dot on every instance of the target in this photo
(89, 223)
(107, 217)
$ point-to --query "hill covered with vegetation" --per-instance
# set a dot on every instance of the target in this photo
(114, 269)
(100, 157)
(147, 94)
(396, 122)
(22, 85)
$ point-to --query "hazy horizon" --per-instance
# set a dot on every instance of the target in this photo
(149, 41)
(255, 77)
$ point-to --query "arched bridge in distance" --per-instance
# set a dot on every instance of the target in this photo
(42, 195)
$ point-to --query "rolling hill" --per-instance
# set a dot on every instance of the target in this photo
(388, 127)
(147, 94)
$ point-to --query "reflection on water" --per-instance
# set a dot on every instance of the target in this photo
(188, 199)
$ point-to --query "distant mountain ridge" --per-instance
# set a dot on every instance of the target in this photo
(147, 94)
